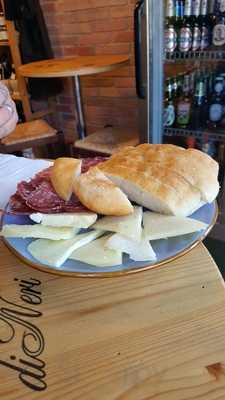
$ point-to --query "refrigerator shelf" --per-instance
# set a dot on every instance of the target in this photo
(217, 135)
(210, 55)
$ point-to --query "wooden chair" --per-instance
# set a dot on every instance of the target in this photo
(32, 134)
(36, 132)
(106, 141)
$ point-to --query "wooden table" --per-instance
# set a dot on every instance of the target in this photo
(74, 67)
(159, 334)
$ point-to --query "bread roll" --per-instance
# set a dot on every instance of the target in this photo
(99, 194)
(63, 173)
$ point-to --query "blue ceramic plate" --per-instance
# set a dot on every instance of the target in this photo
(166, 249)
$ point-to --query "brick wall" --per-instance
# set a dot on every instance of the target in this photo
(95, 27)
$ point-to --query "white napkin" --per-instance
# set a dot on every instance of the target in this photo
(15, 169)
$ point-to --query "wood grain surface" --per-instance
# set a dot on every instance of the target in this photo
(157, 335)
(109, 140)
(83, 65)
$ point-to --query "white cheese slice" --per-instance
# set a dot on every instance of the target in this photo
(129, 226)
(158, 226)
(138, 251)
(38, 231)
(97, 254)
(54, 253)
(78, 220)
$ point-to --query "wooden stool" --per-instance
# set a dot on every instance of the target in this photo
(108, 141)
(105, 141)
(30, 134)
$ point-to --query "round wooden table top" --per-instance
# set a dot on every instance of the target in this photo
(73, 66)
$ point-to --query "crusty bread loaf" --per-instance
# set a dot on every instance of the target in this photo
(99, 194)
(197, 168)
(164, 178)
(63, 174)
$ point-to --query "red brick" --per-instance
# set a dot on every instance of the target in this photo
(86, 27)
(124, 82)
(69, 5)
(121, 11)
(113, 48)
(114, 24)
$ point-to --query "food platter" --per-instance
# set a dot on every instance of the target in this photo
(166, 249)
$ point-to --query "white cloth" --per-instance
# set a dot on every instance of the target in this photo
(15, 169)
(8, 113)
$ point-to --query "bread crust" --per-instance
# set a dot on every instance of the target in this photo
(164, 178)
(96, 192)
(63, 174)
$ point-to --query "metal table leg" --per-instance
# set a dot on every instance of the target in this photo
(81, 126)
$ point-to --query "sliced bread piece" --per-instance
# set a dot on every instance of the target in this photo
(63, 174)
(96, 192)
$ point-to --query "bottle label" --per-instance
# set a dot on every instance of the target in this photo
(215, 112)
(204, 7)
(169, 11)
(204, 38)
(170, 39)
(169, 115)
(183, 112)
(219, 87)
(211, 6)
(187, 8)
(196, 8)
(196, 38)
(219, 35)
(185, 39)
(222, 6)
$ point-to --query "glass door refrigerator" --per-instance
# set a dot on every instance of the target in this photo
(180, 76)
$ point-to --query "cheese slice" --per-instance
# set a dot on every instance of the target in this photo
(38, 231)
(129, 226)
(78, 220)
(97, 254)
(138, 251)
(54, 253)
(158, 226)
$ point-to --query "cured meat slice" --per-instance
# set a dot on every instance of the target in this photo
(24, 189)
(39, 195)
(87, 163)
(18, 206)
(44, 175)
(44, 197)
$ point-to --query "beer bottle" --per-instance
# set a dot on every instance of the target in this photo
(211, 15)
(169, 108)
(196, 33)
(180, 79)
(199, 105)
(218, 36)
(216, 104)
(184, 105)
(170, 32)
(185, 35)
(204, 26)
(174, 87)
(178, 15)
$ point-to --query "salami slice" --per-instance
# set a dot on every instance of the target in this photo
(44, 197)
(24, 189)
(18, 206)
(39, 195)
(87, 163)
